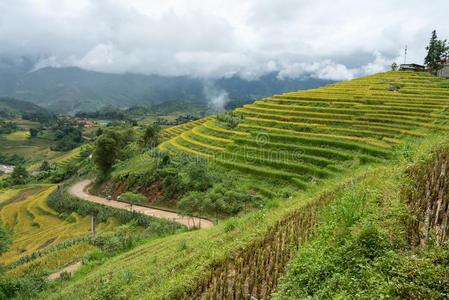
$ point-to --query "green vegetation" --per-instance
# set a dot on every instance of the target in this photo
(19, 175)
(363, 224)
(133, 198)
(110, 146)
(150, 138)
(190, 185)
(5, 239)
(67, 138)
(68, 204)
(362, 248)
(14, 108)
(7, 127)
(437, 53)
(172, 131)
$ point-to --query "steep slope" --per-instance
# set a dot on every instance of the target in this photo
(305, 136)
(341, 130)
(36, 226)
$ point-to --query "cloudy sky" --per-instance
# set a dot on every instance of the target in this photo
(328, 39)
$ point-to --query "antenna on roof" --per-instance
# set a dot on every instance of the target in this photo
(405, 55)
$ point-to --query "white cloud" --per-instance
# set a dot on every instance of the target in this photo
(337, 39)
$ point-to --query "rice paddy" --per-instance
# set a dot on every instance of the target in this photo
(292, 135)
(35, 226)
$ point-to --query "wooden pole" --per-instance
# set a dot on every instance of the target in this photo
(93, 227)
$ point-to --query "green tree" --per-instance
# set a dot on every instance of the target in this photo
(45, 166)
(106, 153)
(197, 177)
(110, 146)
(192, 203)
(5, 239)
(150, 138)
(99, 131)
(34, 132)
(394, 66)
(19, 175)
(437, 53)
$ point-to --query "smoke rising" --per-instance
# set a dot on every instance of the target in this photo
(217, 97)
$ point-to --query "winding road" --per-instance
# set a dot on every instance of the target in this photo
(79, 190)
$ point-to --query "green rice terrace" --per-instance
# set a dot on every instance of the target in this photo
(306, 136)
(363, 215)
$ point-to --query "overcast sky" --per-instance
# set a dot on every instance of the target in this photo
(328, 39)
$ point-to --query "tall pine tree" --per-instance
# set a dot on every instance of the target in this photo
(437, 53)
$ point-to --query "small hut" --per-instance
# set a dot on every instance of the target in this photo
(412, 67)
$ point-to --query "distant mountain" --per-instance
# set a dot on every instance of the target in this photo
(68, 90)
(13, 108)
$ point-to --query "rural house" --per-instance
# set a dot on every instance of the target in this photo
(411, 67)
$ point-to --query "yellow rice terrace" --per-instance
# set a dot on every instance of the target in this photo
(306, 136)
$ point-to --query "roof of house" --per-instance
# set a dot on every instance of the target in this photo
(412, 65)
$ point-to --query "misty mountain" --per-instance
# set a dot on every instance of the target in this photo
(13, 108)
(71, 89)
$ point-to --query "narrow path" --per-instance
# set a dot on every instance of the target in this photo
(69, 269)
(79, 190)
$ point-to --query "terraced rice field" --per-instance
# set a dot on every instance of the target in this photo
(306, 136)
(173, 131)
(36, 226)
(67, 157)
(30, 148)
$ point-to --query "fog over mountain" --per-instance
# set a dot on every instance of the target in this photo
(192, 44)
(72, 89)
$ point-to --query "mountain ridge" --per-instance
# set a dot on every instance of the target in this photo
(72, 89)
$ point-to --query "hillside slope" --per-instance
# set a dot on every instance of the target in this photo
(327, 139)
(36, 226)
(305, 136)
(13, 108)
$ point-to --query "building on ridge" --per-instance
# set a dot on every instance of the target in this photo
(412, 67)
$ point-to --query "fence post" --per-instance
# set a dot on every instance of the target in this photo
(93, 226)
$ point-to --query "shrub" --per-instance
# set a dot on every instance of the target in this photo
(133, 198)
(19, 175)
(26, 287)
(231, 119)
(5, 238)
(223, 199)
(113, 242)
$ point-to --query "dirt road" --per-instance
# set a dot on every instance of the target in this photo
(69, 269)
(79, 190)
